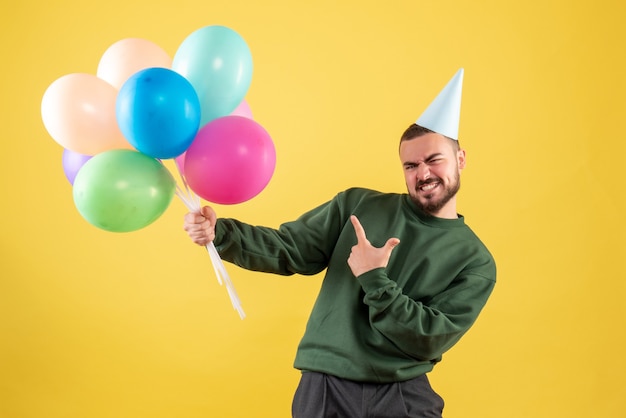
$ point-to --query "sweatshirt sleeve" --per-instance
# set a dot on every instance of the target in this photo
(303, 246)
(425, 329)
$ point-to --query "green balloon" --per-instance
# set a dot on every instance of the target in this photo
(122, 190)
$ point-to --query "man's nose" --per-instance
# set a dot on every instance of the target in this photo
(423, 172)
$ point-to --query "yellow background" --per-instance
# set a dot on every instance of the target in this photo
(98, 324)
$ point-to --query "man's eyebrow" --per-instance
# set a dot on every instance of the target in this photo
(433, 156)
(427, 159)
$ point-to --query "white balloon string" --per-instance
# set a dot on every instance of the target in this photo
(184, 180)
(190, 205)
(214, 261)
(223, 277)
(190, 193)
(192, 202)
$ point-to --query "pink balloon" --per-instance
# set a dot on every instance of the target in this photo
(231, 160)
(243, 109)
(128, 56)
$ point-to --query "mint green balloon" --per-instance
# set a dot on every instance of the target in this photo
(217, 62)
(122, 190)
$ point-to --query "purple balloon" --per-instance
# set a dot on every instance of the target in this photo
(72, 162)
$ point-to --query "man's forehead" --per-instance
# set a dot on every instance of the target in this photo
(426, 145)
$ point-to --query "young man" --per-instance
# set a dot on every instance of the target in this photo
(405, 279)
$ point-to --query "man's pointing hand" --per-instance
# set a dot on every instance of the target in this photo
(364, 256)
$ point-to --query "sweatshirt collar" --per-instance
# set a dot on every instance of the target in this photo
(433, 220)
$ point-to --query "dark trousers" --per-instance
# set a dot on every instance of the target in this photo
(322, 396)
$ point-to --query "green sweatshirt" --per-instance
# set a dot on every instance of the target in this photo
(387, 325)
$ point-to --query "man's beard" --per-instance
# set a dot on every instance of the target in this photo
(432, 206)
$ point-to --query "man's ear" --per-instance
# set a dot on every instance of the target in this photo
(460, 155)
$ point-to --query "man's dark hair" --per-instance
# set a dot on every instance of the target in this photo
(415, 131)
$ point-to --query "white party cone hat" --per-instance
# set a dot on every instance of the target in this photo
(442, 115)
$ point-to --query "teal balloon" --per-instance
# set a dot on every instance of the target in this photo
(122, 190)
(217, 62)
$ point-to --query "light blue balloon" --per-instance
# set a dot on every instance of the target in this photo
(158, 111)
(217, 62)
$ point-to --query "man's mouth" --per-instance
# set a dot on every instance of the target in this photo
(427, 187)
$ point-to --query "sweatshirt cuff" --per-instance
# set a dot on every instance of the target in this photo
(374, 280)
(220, 233)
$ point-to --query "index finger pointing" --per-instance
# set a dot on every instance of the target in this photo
(358, 229)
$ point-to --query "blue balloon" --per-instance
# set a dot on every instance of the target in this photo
(158, 111)
(217, 62)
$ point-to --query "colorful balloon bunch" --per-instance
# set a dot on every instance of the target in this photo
(142, 107)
